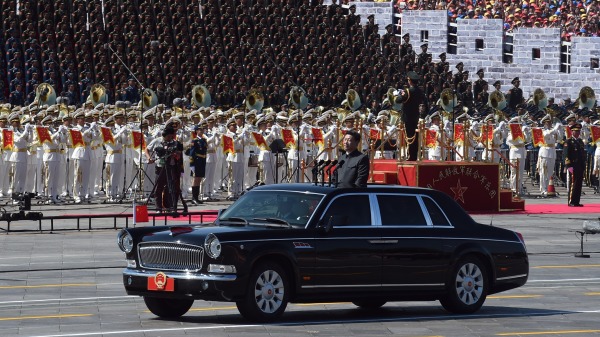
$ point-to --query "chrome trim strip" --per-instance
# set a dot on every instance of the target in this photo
(370, 285)
(383, 241)
(181, 276)
(374, 237)
(511, 277)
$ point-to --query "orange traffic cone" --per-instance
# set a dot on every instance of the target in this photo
(551, 190)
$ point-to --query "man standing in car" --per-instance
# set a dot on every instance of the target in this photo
(354, 165)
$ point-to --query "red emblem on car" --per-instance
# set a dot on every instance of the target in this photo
(160, 280)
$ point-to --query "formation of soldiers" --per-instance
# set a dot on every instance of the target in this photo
(63, 153)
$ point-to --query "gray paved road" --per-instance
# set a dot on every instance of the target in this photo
(68, 283)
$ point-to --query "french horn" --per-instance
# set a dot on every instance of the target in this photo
(45, 94)
(298, 98)
(97, 95)
(352, 100)
(200, 96)
(587, 98)
(149, 99)
(393, 98)
(254, 100)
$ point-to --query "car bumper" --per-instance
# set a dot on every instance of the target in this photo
(185, 285)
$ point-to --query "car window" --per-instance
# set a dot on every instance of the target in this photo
(400, 210)
(351, 210)
(435, 213)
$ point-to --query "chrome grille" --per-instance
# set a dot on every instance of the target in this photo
(170, 256)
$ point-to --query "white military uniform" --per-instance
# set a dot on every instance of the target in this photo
(208, 184)
(547, 155)
(114, 162)
(492, 152)
(517, 156)
(82, 157)
(235, 160)
(52, 158)
(18, 157)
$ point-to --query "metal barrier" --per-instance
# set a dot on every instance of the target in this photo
(89, 218)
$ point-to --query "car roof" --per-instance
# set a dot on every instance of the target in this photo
(326, 189)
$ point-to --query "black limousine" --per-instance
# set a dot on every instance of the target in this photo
(303, 243)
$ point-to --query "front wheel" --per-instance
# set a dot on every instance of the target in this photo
(168, 308)
(267, 294)
(467, 286)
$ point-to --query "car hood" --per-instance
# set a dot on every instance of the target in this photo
(196, 234)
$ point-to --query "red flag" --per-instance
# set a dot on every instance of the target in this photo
(7, 139)
(107, 136)
(43, 134)
(138, 140)
(76, 138)
(538, 137)
(459, 134)
(431, 138)
(318, 136)
(374, 134)
(595, 131)
(516, 131)
(487, 133)
(568, 131)
(288, 137)
(260, 140)
(228, 145)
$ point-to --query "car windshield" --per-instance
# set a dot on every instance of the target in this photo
(279, 208)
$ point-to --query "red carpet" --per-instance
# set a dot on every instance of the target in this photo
(559, 209)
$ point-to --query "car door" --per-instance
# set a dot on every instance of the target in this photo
(415, 255)
(348, 256)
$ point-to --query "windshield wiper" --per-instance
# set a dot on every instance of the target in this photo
(234, 220)
(277, 221)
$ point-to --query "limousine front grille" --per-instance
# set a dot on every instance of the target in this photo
(170, 256)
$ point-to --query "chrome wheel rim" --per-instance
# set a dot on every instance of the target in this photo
(269, 291)
(469, 284)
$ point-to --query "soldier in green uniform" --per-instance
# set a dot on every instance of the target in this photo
(575, 164)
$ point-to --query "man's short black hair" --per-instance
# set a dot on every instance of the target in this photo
(354, 135)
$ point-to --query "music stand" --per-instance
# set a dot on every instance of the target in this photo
(277, 147)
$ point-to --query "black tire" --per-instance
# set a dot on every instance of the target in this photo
(369, 304)
(467, 286)
(267, 293)
(168, 308)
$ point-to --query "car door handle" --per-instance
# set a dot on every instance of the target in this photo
(383, 241)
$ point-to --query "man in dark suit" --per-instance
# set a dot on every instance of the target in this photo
(575, 164)
(354, 171)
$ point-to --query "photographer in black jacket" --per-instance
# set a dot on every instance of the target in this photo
(169, 167)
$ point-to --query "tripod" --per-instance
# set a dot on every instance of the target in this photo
(170, 175)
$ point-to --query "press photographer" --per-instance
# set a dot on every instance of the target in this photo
(167, 153)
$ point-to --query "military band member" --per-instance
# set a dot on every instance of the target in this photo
(265, 157)
(492, 146)
(114, 156)
(250, 149)
(435, 150)
(514, 96)
(213, 140)
(4, 155)
(32, 160)
(293, 150)
(197, 154)
(235, 161)
(575, 165)
(517, 153)
(82, 157)
(479, 84)
(18, 158)
(547, 153)
(468, 138)
(52, 159)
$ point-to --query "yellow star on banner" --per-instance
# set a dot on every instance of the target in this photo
(459, 192)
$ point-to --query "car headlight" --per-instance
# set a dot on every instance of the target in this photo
(212, 245)
(125, 241)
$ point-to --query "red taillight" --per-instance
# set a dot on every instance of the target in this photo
(521, 238)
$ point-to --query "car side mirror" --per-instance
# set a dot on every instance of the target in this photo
(327, 224)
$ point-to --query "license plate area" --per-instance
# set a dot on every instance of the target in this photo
(160, 282)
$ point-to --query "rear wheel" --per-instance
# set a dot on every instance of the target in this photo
(467, 286)
(168, 308)
(267, 294)
(369, 304)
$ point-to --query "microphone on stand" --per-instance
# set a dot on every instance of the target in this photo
(335, 171)
(315, 170)
(320, 172)
(332, 165)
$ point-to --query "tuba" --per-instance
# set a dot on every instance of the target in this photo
(97, 95)
(587, 98)
(149, 100)
(254, 100)
(497, 102)
(200, 96)
(298, 98)
(448, 102)
(45, 94)
(352, 100)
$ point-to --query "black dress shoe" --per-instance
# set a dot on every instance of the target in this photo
(578, 205)
(572, 205)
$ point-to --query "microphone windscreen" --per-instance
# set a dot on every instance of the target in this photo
(341, 162)
(327, 162)
(333, 163)
(320, 162)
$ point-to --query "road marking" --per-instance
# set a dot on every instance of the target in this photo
(51, 286)
(592, 294)
(68, 299)
(565, 280)
(568, 266)
(538, 333)
(43, 317)
(513, 296)
(209, 309)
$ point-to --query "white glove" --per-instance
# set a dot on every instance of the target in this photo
(93, 125)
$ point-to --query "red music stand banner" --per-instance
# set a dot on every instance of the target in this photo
(475, 186)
